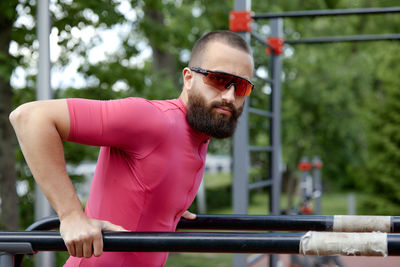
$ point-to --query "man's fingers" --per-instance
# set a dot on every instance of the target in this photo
(188, 215)
(87, 249)
(107, 226)
(78, 249)
(71, 248)
(98, 245)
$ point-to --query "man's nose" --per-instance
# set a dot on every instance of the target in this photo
(229, 94)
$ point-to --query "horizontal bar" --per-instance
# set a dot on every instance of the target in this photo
(260, 148)
(338, 223)
(259, 39)
(328, 12)
(169, 242)
(353, 38)
(286, 243)
(260, 112)
(274, 223)
(264, 79)
(260, 184)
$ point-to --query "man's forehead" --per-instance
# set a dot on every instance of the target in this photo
(220, 56)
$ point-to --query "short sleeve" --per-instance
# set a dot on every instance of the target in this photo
(132, 124)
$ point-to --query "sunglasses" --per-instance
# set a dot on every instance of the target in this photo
(222, 81)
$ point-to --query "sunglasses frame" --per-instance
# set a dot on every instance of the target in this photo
(206, 72)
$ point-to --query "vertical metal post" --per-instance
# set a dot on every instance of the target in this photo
(351, 202)
(317, 165)
(276, 165)
(276, 25)
(241, 157)
(201, 199)
(6, 259)
(43, 91)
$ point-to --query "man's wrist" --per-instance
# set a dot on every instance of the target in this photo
(71, 213)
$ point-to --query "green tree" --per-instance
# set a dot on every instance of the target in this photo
(383, 116)
(8, 194)
(153, 24)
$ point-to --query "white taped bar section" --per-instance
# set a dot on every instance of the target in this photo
(349, 223)
(347, 244)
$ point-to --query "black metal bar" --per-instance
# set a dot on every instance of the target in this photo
(244, 222)
(259, 222)
(260, 184)
(260, 148)
(353, 38)
(332, 12)
(47, 223)
(174, 242)
(284, 243)
(395, 224)
(264, 79)
(393, 245)
(260, 112)
(259, 39)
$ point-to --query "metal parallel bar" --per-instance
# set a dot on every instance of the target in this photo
(176, 242)
(263, 79)
(334, 12)
(282, 243)
(262, 223)
(352, 38)
(260, 184)
(260, 148)
(260, 39)
(260, 112)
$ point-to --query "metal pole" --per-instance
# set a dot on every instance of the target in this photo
(285, 243)
(241, 156)
(276, 72)
(389, 224)
(201, 198)
(6, 259)
(275, 161)
(329, 12)
(350, 38)
(317, 165)
(42, 206)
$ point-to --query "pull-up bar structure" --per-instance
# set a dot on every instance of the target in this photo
(241, 20)
(326, 235)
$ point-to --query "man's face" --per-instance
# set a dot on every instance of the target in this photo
(210, 110)
(206, 118)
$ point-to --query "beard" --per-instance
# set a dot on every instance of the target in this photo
(204, 118)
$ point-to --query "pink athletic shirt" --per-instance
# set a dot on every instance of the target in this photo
(150, 166)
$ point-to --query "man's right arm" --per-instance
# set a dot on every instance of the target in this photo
(40, 128)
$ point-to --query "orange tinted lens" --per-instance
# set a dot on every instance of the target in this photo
(217, 80)
(243, 87)
(221, 81)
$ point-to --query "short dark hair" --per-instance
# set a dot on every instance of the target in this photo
(226, 37)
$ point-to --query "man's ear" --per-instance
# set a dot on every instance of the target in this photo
(187, 75)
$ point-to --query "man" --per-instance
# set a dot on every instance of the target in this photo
(152, 153)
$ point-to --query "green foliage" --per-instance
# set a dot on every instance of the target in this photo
(383, 174)
(339, 101)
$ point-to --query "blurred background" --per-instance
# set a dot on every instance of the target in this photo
(340, 102)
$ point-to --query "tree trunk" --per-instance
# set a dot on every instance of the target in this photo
(163, 60)
(8, 194)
